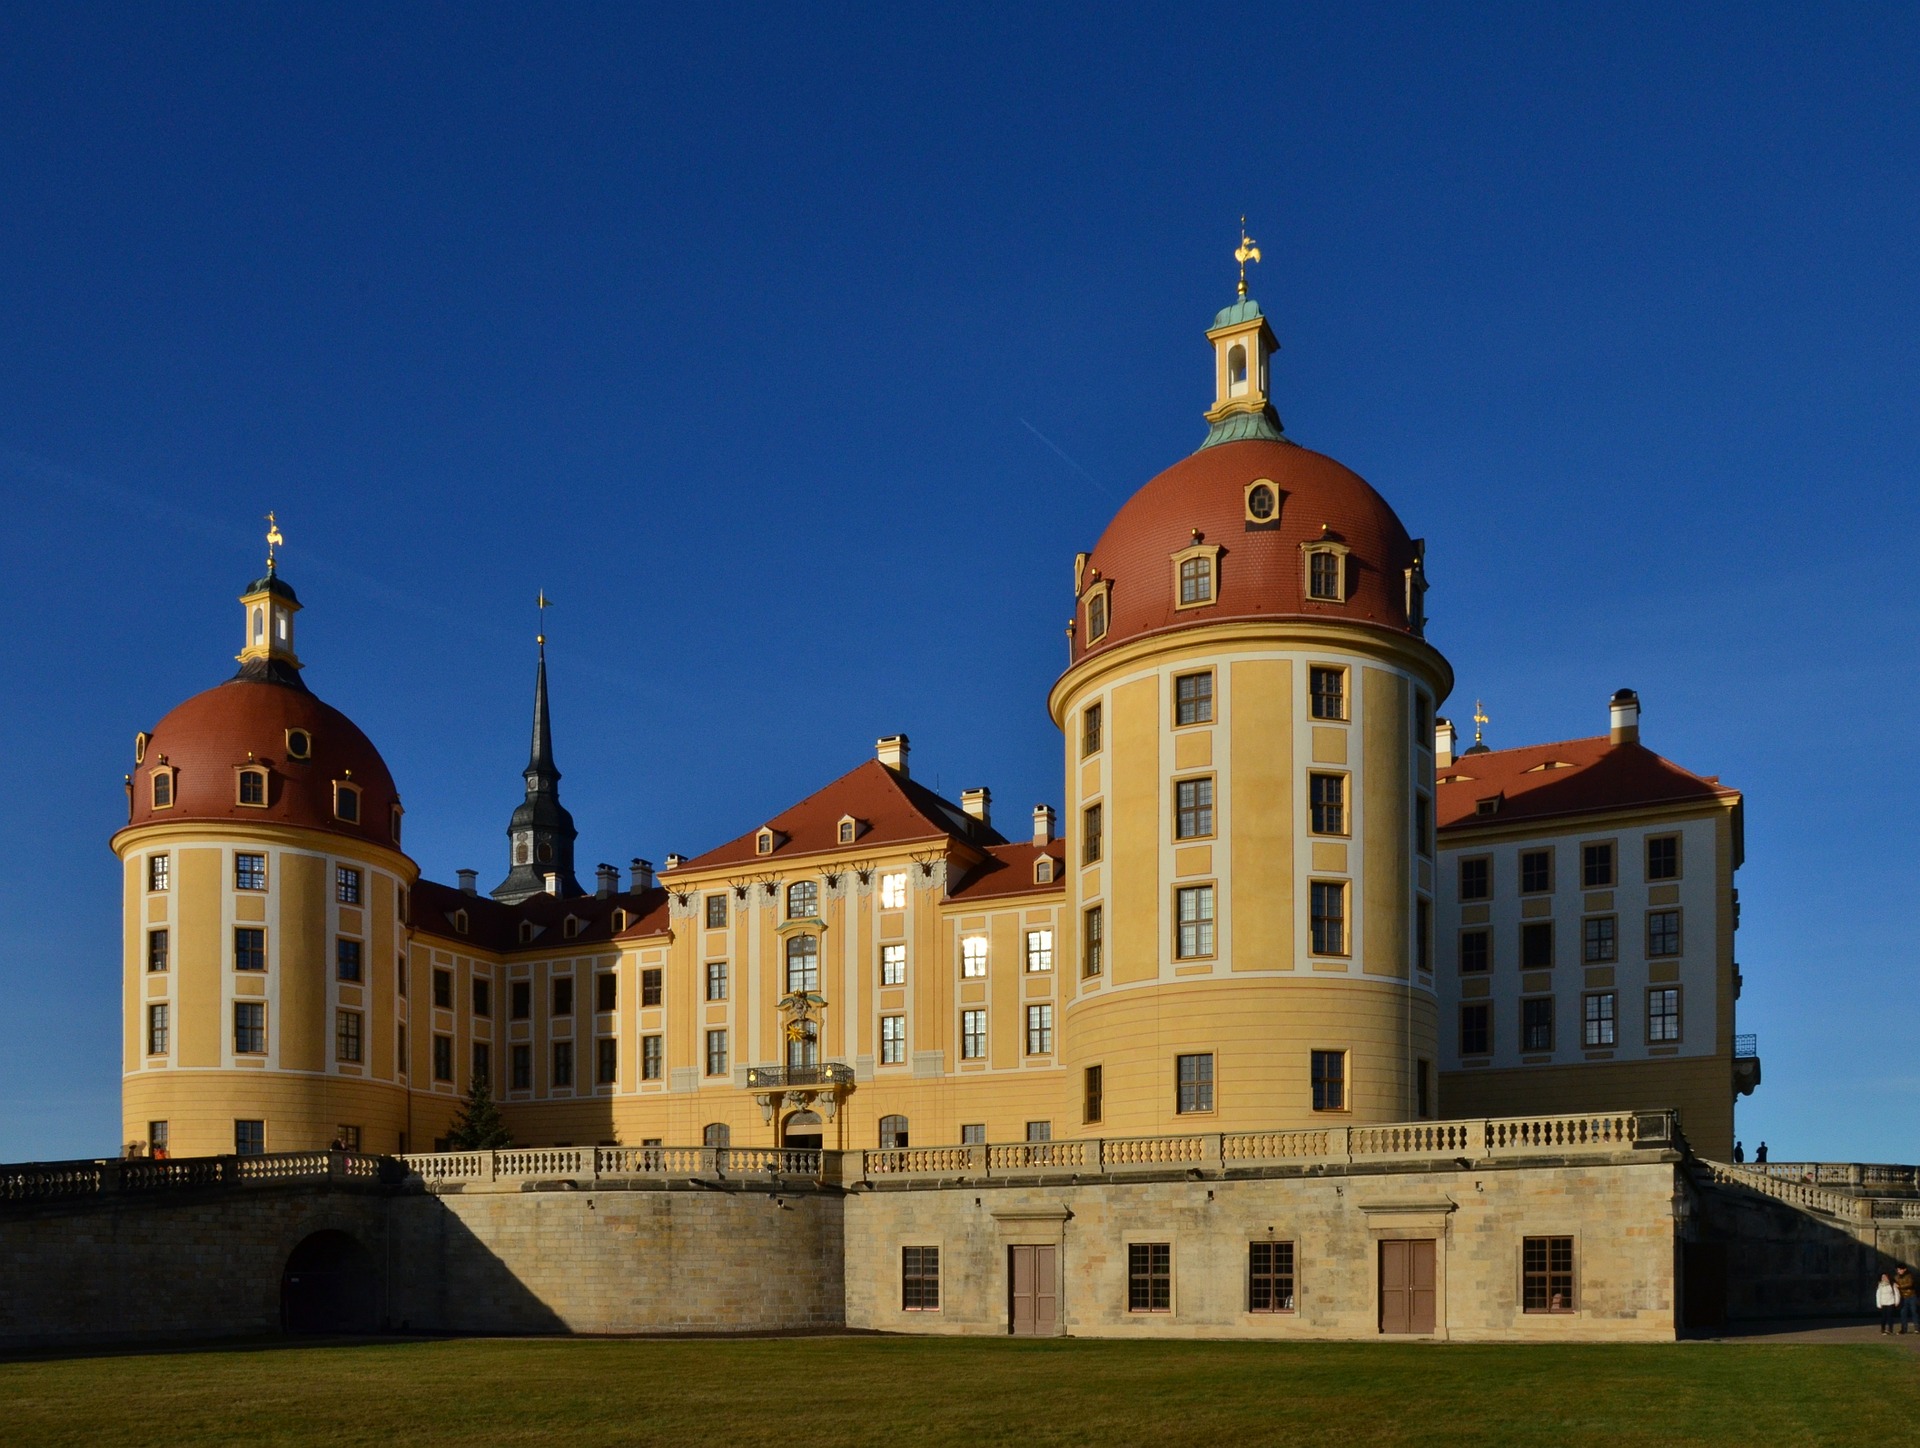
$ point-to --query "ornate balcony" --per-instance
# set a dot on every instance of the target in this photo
(823, 1077)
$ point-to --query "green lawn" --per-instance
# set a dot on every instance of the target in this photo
(825, 1392)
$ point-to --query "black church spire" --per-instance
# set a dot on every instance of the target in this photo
(540, 835)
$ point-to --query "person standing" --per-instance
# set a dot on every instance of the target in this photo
(1739, 1153)
(1903, 1283)
(1761, 1155)
(1886, 1297)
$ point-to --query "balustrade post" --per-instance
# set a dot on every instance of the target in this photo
(1340, 1144)
(112, 1174)
(1212, 1145)
(1856, 1175)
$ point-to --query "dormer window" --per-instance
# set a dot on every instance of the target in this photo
(346, 802)
(1098, 610)
(1263, 503)
(767, 841)
(803, 900)
(299, 744)
(1489, 805)
(1326, 564)
(140, 747)
(460, 922)
(526, 931)
(1196, 575)
(619, 921)
(393, 823)
(571, 926)
(251, 785)
(1043, 870)
(162, 789)
(850, 829)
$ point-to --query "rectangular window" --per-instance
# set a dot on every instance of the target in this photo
(1663, 932)
(1476, 879)
(1090, 1102)
(1476, 951)
(157, 1138)
(893, 892)
(1323, 575)
(523, 1068)
(159, 872)
(606, 991)
(1270, 1277)
(249, 1028)
(716, 1053)
(974, 1134)
(1329, 910)
(1196, 580)
(249, 1138)
(1193, 1083)
(973, 1035)
(482, 1061)
(347, 1137)
(156, 1030)
(443, 1058)
(1536, 945)
(1423, 1088)
(606, 1065)
(1040, 1030)
(1195, 913)
(1091, 830)
(1663, 1014)
(482, 997)
(1329, 1080)
(920, 1279)
(443, 989)
(1536, 871)
(249, 872)
(1546, 1274)
(563, 1063)
(716, 912)
(1423, 933)
(346, 1035)
(1093, 940)
(249, 948)
(1536, 1023)
(563, 995)
(893, 965)
(1193, 699)
(1329, 688)
(1149, 1277)
(1091, 719)
(1597, 939)
(1039, 1131)
(1193, 809)
(1663, 857)
(1327, 799)
(893, 1040)
(400, 1061)
(1423, 825)
(716, 980)
(400, 974)
(521, 992)
(1476, 1029)
(1596, 866)
(346, 885)
(157, 941)
(1039, 951)
(1597, 1020)
(653, 1058)
(973, 956)
(346, 959)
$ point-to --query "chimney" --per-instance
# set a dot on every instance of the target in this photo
(892, 752)
(642, 875)
(674, 862)
(1043, 824)
(606, 881)
(1445, 740)
(553, 882)
(469, 881)
(978, 803)
(1625, 717)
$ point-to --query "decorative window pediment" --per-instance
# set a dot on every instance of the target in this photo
(1196, 574)
(1325, 563)
(1096, 609)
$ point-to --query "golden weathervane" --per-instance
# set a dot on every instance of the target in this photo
(1480, 719)
(542, 604)
(1244, 253)
(274, 540)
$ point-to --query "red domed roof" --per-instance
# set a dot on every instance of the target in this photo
(205, 741)
(1262, 572)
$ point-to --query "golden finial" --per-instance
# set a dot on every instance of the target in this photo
(1244, 253)
(274, 540)
(1480, 720)
(542, 603)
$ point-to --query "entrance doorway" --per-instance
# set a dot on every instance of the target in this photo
(1407, 1286)
(802, 1131)
(1033, 1293)
(330, 1285)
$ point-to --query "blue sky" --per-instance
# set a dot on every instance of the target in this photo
(795, 357)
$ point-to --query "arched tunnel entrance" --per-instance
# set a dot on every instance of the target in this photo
(330, 1285)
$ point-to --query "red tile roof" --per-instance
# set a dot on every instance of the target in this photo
(1581, 776)
(494, 927)
(891, 810)
(1008, 870)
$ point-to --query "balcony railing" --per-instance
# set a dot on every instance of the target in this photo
(1746, 1048)
(511, 1169)
(780, 1078)
(56, 1180)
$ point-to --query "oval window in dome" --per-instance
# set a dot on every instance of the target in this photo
(299, 744)
(1260, 502)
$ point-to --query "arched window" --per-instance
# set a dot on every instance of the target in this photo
(803, 900)
(259, 625)
(163, 789)
(803, 963)
(1323, 575)
(1097, 618)
(546, 852)
(1236, 370)
(253, 788)
(717, 1133)
(520, 855)
(346, 802)
(893, 1132)
(803, 1045)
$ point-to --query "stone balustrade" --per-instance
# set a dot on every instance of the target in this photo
(1874, 1178)
(515, 1168)
(118, 1177)
(1800, 1184)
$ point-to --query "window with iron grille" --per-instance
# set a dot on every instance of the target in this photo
(716, 980)
(973, 956)
(1329, 692)
(803, 963)
(249, 1138)
(1328, 899)
(1149, 1277)
(606, 991)
(1196, 580)
(1193, 808)
(1663, 932)
(1039, 950)
(523, 1068)
(803, 900)
(443, 989)
(249, 948)
(1546, 1274)
(1193, 1083)
(249, 1028)
(716, 1053)
(1597, 1019)
(1093, 929)
(1323, 576)
(1663, 1014)
(1536, 871)
(1195, 912)
(893, 965)
(156, 1030)
(1476, 951)
(1040, 1030)
(1536, 945)
(920, 1279)
(346, 1035)
(346, 959)
(1663, 857)
(157, 942)
(249, 872)
(562, 1063)
(1597, 939)
(1091, 1103)
(1596, 866)
(973, 1035)
(1476, 879)
(1091, 831)
(1536, 1024)
(1193, 699)
(346, 885)
(716, 912)
(606, 1066)
(1476, 1029)
(1329, 1070)
(1091, 720)
(443, 1058)
(1270, 1277)
(653, 1058)
(159, 872)
(893, 1040)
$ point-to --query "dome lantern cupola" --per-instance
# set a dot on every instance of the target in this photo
(266, 650)
(1243, 347)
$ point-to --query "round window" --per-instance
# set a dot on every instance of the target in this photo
(546, 852)
(1260, 503)
(299, 744)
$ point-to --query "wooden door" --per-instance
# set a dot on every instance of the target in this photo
(1407, 1286)
(1046, 1292)
(1020, 1284)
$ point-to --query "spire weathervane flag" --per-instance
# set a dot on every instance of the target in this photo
(1244, 253)
(274, 539)
(541, 637)
(1480, 720)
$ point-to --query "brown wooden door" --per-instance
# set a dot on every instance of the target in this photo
(1046, 1292)
(1407, 1286)
(1033, 1294)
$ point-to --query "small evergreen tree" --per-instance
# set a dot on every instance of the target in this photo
(478, 1127)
